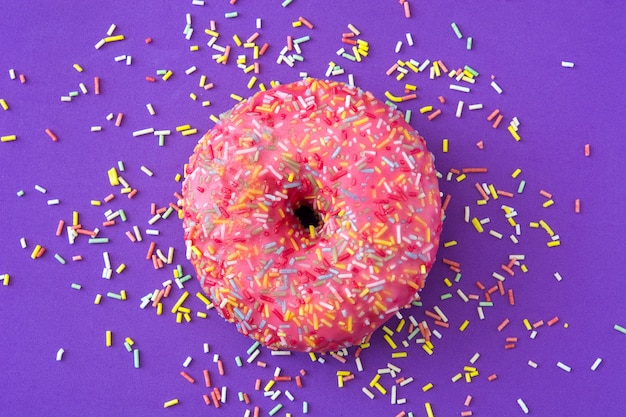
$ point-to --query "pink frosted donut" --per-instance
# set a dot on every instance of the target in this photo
(311, 215)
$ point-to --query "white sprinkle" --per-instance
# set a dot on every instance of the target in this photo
(563, 366)
(187, 362)
(152, 232)
(533, 334)
(66, 99)
(258, 23)
(409, 39)
(459, 88)
(96, 128)
(459, 108)
(205, 347)
(60, 353)
(567, 64)
(496, 87)
(368, 393)
(53, 202)
(129, 60)
(147, 171)
(111, 29)
(40, 189)
(142, 132)
(532, 364)
(424, 65)
(474, 358)
(522, 405)
(475, 106)
(109, 116)
(20, 193)
(191, 70)
(154, 220)
(197, 3)
(100, 43)
(23, 243)
(359, 365)
(12, 73)
(120, 58)
(558, 276)
(398, 46)
(596, 364)
(83, 88)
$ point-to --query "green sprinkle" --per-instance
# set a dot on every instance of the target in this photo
(161, 72)
(457, 278)
(73, 94)
(230, 15)
(120, 165)
(252, 348)
(97, 240)
(485, 304)
(469, 43)
(446, 296)
(122, 214)
(413, 334)
(136, 357)
(238, 361)
(179, 268)
(305, 407)
(128, 346)
(456, 30)
(167, 213)
(620, 328)
(302, 39)
(185, 279)
(114, 295)
(275, 409)
(520, 189)
(286, 3)
(348, 56)
(240, 396)
(471, 70)
(161, 140)
(407, 116)
(20, 193)
(76, 286)
(59, 258)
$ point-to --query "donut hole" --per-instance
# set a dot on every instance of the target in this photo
(307, 215)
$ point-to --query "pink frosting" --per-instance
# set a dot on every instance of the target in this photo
(369, 186)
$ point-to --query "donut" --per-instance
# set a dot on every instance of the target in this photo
(311, 214)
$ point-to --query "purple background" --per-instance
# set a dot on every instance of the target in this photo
(521, 43)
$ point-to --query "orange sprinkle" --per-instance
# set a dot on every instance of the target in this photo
(511, 297)
(455, 171)
(391, 69)
(511, 340)
(216, 401)
(264, 48)
(553, 321)
(108, 223)
(507, 269)
(407, 10)
(256, 411)
(480, 144)
(257, 385)
(22, 78)
(60, 227)
(148, 40)
(442, 324)
(509, 346)
(473, 170)
(187, 377)
(339, 358)
(207, 378)
(401, 413)
(468, 401)
(502, 325)
(220, 366)
(432, 315)
(289, 43)
(348, 35)
(445, 203)
(467, 413)
(131, 236)
(348, 41)
(96, 85)
(501, 287)
(155, 262)
(305, 22)
(118, 120)
(52, 135)
(480, 285)
(493, 114)
(492, 377)
(497, 122)
(587, 149)
(450, 262)
(538, 324)
(253, 37)
(41, 252)
(167, 291)
(283, 378)
(492, 289)
(481, 192)
(226, 54)
(261, 364)
(246, 399)
(150, 79)
(577, 205)
(505, 193)
(298, 381)
(545, 194)
(132, 193)
(207, 399)
(442, 66)
(151, 250)
(434, 114)
(217, 392)
(109, 198)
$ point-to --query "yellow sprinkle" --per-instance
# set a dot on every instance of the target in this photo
(312, 356)
(211, 33)
(237, 40)
(129, 341)
(193, 96)
(4, 104)
(461, 177)
(167, 75)
(447, 282)
(427, 387)
(457, 377)
(236, 97)
(183, 127)
(96, 202)
(514, 133)
(180, 301)
(374, 380)
(33, 255)
(429, 410)
(548, 203)
(159, 309)
(524, 268)
(193, 48)
(269, 385)
(477, 225)
(251, 82)
(98, 299)
(554, 243)
(78, 68)
(427, 349)
(492, 191)
(170, 403)
(464, 325)
(108, 338)
(296, 24)
(189, 132)
(516, 173)
(8, 138)
(468, 377)
(410, 87)
(380, 388)
(396, 355)
(114, 38)
(339, 381)
(449, 243)
(527, 324)
(120, 268)
(445, 145)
